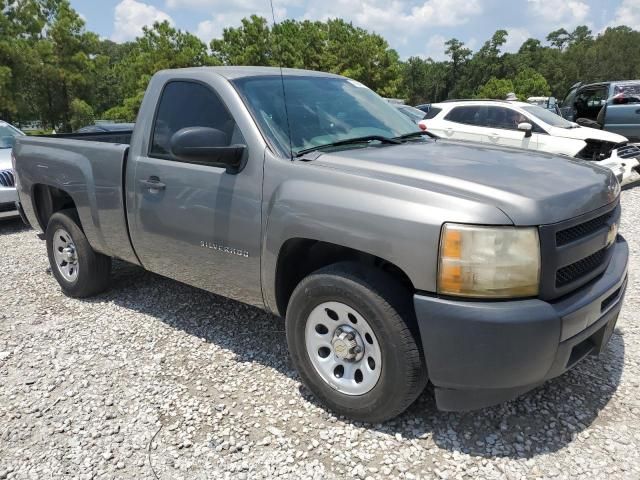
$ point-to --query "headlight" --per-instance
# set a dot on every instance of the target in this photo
(489, 262)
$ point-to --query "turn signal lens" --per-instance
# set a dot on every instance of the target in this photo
(489, 262)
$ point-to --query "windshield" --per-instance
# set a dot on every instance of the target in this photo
(321, 110)
(413, 113)
(7, 135)
(548, 117)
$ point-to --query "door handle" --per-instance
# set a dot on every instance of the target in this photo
(153, 183)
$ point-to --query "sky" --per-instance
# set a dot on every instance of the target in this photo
(412, 27)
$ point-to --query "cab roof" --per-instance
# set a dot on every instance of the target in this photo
(235, 72)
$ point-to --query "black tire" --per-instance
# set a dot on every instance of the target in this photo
(388, 308)
(93, 268)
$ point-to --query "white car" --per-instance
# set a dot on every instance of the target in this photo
(522, 125)
(7, 182)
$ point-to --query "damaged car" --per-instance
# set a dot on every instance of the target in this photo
(523, 125)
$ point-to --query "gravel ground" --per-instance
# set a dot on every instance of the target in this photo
(154, 379)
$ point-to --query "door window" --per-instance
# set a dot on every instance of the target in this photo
(626, 93)
(506, 118)
(509, 119)
(469, 115)
(188, 104)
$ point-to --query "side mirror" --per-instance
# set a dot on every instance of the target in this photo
(206, 146)
(527, 128)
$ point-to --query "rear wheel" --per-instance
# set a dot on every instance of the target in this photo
(80, 271)
(351, 333)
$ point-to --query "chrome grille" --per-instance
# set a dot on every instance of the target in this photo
(7, 179)
(628, 151)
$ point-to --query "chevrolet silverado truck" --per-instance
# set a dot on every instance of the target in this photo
(396, 259)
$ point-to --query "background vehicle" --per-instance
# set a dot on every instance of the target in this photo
(613, 106)
(106, 127)
(414, 114)
(7, 183)
(390, 254)
(548, 103)
(424, 107)
(522, 125)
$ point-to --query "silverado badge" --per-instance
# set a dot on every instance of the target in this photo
(223, 249)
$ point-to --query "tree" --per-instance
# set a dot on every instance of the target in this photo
(160, 47)
(81, 114)
(529, 83)
(559, 38)
(582, 34)
(249, 44)
(496, 88)
(458, 55)
(333, 46)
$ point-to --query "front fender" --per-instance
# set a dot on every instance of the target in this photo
(394, 222)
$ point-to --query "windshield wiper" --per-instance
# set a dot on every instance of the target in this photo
(419, 133)
(350, 141)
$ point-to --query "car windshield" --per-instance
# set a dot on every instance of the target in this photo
(319, 111)
(413, 113)
(7, 135)
(548, 117)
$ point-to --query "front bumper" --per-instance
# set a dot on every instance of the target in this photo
(483, 353)
(8, 197)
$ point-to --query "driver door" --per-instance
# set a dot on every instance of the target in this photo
(503, 128)
(195, 222)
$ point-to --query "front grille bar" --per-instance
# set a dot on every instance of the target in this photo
(581, 230)
(579, 269)
(6, 178)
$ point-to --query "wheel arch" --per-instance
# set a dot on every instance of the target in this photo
(48, 200)
(298, 257)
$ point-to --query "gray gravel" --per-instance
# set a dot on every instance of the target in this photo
(85, 386)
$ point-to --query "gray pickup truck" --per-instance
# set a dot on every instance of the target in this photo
(397, 259)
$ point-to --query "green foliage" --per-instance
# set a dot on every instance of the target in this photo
(81, 114)
(496, 88)
(529, 83)
(53, 70)
(332, 46)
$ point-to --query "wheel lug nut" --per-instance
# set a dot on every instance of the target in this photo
(350, 336)
(338, 331)
(357, 349)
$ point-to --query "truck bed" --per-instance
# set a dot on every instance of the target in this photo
(90, 168)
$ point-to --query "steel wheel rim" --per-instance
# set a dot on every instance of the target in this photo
(65, 255)
(330, 353)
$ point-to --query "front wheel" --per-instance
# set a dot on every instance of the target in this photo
(80, 271)
(351, 333)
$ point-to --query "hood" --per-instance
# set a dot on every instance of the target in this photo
(5, 158)
(531, 188)
(584, 133)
